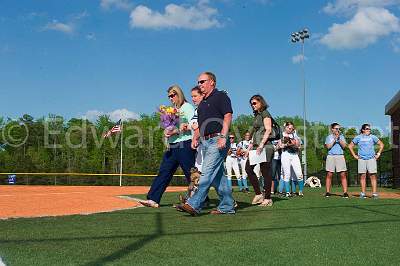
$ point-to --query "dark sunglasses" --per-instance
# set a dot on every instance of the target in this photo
(253, 103)
(337, 128)
(172, 95)
(202, 81)
(231, 137)
(367, 128)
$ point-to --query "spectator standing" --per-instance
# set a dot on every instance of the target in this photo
(335, 161)
(367, 157)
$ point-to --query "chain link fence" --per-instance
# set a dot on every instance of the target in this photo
(384, 175)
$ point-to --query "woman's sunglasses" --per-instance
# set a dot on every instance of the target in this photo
(171, 95)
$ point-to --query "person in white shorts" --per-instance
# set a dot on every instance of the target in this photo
(335, 161)
(290, 145)
(366, 157)
(243, 148)
(232, 161)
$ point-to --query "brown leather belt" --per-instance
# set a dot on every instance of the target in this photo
(207, 137)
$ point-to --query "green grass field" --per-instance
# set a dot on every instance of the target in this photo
(307, 231)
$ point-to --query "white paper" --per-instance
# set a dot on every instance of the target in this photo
(256, 159)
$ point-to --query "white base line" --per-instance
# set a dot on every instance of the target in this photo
(43, 194)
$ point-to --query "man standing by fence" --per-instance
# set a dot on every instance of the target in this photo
(335, 161)
(215, 116)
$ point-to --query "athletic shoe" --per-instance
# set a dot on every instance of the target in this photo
(257, 199)
(345, 195)
(288, 195)
(247, 190)
(327, 195)
(301, 194)
(235, 205)
(149, 203)
(362, 195)
(375, 195)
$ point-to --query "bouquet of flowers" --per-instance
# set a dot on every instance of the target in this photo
(169, 117)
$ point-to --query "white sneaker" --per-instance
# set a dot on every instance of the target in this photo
(375, 195)
(257, 199)
(362, 195)
(149, 203)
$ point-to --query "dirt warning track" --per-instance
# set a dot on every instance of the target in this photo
(41, 201)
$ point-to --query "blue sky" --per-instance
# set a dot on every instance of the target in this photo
(87, 57)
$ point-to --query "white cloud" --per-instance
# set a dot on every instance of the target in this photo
(351, 6)
(365, 28)
(123, 114)
(115, 115)
(92, 115)
(118, 4)
(67, 28)
(197, 17)
(298, 58)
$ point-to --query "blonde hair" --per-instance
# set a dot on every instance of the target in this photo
(179, 93)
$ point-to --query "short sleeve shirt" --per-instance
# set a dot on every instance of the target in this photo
(258, 127)
(366, 146)
(336, 149)
(211, 112)
(293, 136)
(187, 113)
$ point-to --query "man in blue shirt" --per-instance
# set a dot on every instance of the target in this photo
(215, 116)
(366, 157)
(335, 162)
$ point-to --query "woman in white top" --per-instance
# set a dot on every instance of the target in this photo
(243, 148)
(290, 145)
(197, 97)
(232, 160)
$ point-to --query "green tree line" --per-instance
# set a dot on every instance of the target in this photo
(52, 144)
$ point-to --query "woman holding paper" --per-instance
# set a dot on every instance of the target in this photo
(261, 150)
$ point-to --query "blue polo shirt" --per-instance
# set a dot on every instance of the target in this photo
(211, 112)
(336, 148)
(366, 146)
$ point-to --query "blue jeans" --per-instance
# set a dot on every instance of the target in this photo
(213, 175)
(179, 154)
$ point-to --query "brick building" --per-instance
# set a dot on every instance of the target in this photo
(393, 109)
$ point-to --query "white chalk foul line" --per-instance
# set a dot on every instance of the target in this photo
(42, 194)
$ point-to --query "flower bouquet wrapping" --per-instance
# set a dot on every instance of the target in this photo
(169, 117)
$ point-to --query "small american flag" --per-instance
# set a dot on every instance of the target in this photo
(114, 129)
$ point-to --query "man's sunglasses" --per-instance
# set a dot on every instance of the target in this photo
(202, 81)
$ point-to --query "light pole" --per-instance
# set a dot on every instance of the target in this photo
(300, 36)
